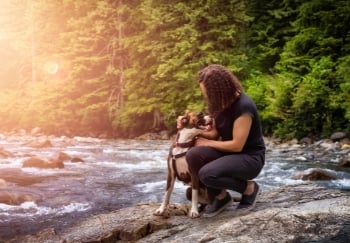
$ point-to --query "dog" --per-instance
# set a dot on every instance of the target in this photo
(193, 124)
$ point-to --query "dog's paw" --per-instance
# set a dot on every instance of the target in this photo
(193, 214)
(160, 211)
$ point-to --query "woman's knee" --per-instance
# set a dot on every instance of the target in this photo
(205, 176)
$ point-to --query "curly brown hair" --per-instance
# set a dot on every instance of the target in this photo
(222, 87)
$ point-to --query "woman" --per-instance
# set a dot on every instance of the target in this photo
(232, 153)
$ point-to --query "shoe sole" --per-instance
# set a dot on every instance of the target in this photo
(206, 215)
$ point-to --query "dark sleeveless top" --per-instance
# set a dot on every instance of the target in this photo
(225, 119)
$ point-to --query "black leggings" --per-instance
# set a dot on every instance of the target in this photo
(218, 170)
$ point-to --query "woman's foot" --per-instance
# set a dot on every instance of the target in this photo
(217, 206)
(249, 197)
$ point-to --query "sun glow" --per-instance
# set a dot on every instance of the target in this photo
(51, 67)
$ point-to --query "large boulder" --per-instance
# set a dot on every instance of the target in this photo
(315, 174)
(337, 136)
(296, 213)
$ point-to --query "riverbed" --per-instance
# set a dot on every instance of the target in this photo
(118, 173)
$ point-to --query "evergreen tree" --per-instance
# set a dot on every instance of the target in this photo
(310, 58)
(173, 41)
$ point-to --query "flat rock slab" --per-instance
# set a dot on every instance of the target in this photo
(296, 213)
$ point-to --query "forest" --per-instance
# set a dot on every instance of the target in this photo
(127, 67)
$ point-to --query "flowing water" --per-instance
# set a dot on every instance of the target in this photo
(114, 174)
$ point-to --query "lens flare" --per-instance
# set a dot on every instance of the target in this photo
(51, 67)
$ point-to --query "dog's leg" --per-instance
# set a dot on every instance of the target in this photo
(169, 189)
(195, 188)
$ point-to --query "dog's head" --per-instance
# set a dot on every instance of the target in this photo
(193, 119)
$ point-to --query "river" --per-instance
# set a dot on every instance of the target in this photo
(115, 174)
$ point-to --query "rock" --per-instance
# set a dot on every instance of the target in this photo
(18, 177)
(35, 131)
(3, 183)
(345, 146)
(62, 156)
(12, 198)
(5, 154)
(39, 144)
(337, 136)
(306, 141)
(162, 135)
(315, 174)
(148, 136)
(344, 162)
(295, 213)
(42, 163)
(65, 157)
(76, 159)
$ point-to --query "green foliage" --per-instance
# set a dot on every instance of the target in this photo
(173, 42)
(107, 66)
(269, 31)
(341, 100)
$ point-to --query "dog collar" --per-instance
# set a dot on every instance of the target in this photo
(186, 145)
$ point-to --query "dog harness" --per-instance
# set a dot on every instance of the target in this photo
(184, 145)
(176, 156)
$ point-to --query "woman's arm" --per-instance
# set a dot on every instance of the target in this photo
(240, 132)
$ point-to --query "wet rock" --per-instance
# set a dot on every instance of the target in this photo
(297, 213)
(315, 174)
(62, 156)
(5, 154)
(65, 157)
(76, 159)
(12, 198)
(42, 163)
(3, 183)
(17, 176)
(39, 143)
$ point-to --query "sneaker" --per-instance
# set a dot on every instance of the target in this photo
(217, 206)
(248, 201)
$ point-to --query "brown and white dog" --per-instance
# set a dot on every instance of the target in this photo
(193, 124)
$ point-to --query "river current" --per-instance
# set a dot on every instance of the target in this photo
(114, 174)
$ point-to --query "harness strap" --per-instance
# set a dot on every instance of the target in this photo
(176, 156)
(174, 166)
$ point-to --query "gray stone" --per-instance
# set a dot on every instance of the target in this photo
(296, 213)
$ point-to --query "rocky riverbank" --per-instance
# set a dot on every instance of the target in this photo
(295, 213)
